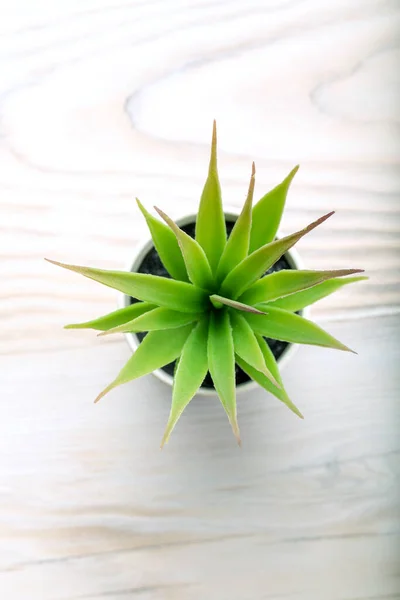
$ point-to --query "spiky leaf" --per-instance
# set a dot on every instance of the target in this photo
(285, 282)
(189, 375)
(264, 381)
(156, 350)
(256, 264)
(300, 300)
(267, 213)
(237, 246)
(177, 295)
(166, 245)
(221, 364)
(210, 223)
(247, 347)
(158, 318)
(115, 318)
(286, 326)
(196, 261)
(218, 301)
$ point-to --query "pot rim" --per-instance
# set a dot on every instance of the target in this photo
(145, 244)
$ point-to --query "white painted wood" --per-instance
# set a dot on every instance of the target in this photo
(306, 509)
(104, 101)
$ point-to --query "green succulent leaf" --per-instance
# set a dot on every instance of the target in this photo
(237, 246)
(264, 381)
(285, 282)
(158, 318)
(257, 263)
(196, 262)
(166, 245)
(286, 326)
(177, 295)
(300, 300)
(221, 364)
(267, 213)
(218, 301)
(156, 350)
(189, 375)
(210, 223)
(115, 318)
(247, 346)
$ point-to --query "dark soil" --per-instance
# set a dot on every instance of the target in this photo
(152, 265)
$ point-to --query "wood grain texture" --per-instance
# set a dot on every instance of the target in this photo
(308, 509)
(102, 101)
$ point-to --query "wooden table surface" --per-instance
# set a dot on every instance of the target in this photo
(102, 101)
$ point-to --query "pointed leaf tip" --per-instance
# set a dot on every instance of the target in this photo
(210, 230)
(170, 222)
(141, 207)
(293, 172)
(104, 392)
(166, 245)
(320, 220)
(54, 262)
(236, 433)
(341, 346)
(162, 213)
(164, 440)
(103, 333)
(218, 300)
(213, 157)
(197, 265)
(214, 132)
(235, 428)
(250, 193)
(329, 214)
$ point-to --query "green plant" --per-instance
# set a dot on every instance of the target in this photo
(218, 305)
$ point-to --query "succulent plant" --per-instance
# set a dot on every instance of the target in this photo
(219, 304)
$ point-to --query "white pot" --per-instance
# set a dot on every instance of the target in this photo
(145, 246)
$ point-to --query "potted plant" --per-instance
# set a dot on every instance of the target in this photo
(203, 309)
